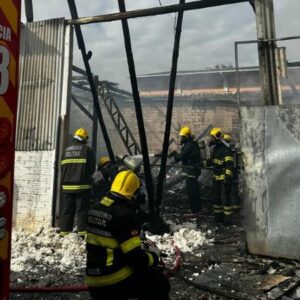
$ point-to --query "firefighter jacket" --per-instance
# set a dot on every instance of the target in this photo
(114, 248)
(222, 161)
(190, 156)
(77, 168)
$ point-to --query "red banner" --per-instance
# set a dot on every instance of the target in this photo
(9, 60)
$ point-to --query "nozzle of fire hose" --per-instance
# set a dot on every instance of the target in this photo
(129, 162)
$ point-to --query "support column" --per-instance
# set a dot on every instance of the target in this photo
(265, 25)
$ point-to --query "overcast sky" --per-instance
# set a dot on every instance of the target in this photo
(207, 38)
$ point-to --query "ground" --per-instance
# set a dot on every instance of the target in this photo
(213, 256)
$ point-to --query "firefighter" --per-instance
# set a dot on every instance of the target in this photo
(118, 267)
(190, 157)
(236, 201)
(104, 176)
(222, 163)
(109, 169)
(77, 167)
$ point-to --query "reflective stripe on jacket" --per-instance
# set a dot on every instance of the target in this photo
(113, 246)
(77, 167)
(222, 162)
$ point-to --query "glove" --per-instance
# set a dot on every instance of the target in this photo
(155, 250)
(151, 247)
(172, 153)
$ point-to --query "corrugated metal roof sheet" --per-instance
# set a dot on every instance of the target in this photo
(40, 89)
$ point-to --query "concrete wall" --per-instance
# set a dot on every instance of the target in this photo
(33, 193)
(270, 140)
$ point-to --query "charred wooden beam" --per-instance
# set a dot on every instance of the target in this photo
(29, 10)
(138, 108)
(79, 70)
(83, 109)
(152, 11)
(164, 157)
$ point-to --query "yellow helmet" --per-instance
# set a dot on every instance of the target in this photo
(216, 132)
(81, 134)
(103, 160)
(227, 137)
(126, 183)
(185, 131)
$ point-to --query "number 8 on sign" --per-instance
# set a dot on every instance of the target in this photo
(4, 73)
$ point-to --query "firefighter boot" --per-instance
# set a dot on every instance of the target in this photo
(228, 210)
(218, 213)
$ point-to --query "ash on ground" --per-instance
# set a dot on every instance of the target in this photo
(212, 255)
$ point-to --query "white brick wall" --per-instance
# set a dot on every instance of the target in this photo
(33, 188)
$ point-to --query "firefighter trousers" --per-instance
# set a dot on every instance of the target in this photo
(193, 193)
(75, 206)
(222, 207)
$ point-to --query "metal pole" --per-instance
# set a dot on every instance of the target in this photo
(288, 38)
(89, 74)
(265, 25)
(95, 125)
(138, 109)
(236, 55)
(162, 171)
(152, 11)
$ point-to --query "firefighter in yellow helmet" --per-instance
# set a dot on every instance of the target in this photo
(117, 265)
(105, 174)
(190, 157)
(77, 168)
(227, 138)
(236, 201)
(109, 169)
(221, 161)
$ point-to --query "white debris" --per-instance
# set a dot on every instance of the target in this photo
(185, 236)
(31, 250)
(271, 271)
(45, 250)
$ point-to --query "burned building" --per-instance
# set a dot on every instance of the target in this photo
(219, 83)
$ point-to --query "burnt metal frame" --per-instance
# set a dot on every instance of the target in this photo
(105, 90)
(236, 56)
(119, 121)
(124, 16)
